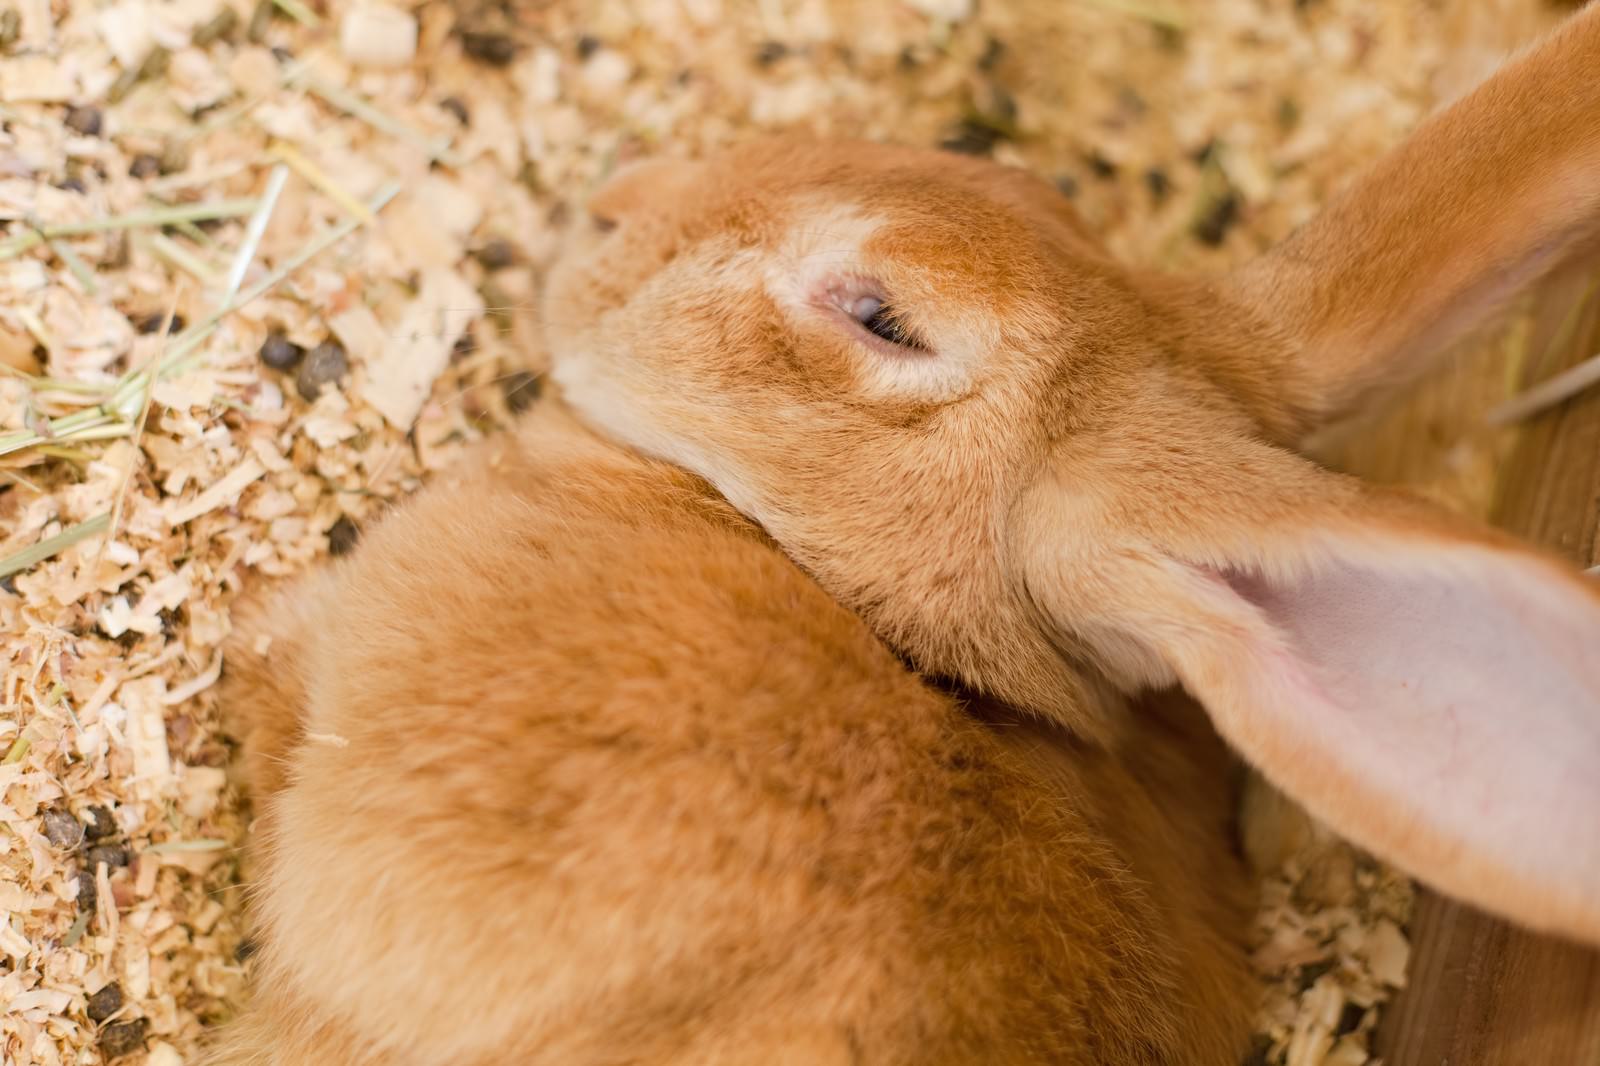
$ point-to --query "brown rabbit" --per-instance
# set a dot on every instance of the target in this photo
(1062, 481)
(569, 764)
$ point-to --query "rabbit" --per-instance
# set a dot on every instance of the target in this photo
(1063, 481)
(568, 763)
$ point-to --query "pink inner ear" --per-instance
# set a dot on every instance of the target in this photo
(1443, 710)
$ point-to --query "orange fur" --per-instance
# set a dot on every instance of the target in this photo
(579, 769)
(1059, 481)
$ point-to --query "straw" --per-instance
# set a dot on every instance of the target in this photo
(80, 270)
(299, 12)
(36, 327)
(1548, 393)
(165, 216)
(178, 847)
(182, 353)
(254, 231)
(138, 433)
(50, 546)
(178, 256)
(319, 178)
(438, 148)
(1152, 13)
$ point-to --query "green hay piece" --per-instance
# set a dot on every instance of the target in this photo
(438, 148)
(19, 749)
(166, 216)
(299, 12)
(184, 351)
(49, 547)
(79, 925)
(179, 256)
(75, 264)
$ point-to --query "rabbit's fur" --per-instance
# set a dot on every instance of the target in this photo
(1063, 481)
(569, 764)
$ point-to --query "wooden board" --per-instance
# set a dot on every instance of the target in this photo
(1482, 993)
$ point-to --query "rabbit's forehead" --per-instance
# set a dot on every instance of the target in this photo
(823, 225)
(908, 251)
(822, 238)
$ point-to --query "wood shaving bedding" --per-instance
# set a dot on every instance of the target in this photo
(171, 156)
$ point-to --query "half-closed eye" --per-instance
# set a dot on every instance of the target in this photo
(879, 319)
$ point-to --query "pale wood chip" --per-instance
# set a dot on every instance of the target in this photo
(220, 493)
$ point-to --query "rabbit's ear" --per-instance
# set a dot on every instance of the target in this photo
(1431, 692)
(1482, 199)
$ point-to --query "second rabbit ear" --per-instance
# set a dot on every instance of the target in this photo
(1482, 199)
(1429, 691)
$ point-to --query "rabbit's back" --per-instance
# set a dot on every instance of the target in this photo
(568, 765)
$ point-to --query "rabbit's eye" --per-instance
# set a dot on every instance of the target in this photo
(877, 318)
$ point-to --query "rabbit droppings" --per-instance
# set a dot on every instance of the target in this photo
(594, 774)
(1062, 481)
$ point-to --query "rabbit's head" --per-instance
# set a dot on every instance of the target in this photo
(872, 352)
(1054, 478)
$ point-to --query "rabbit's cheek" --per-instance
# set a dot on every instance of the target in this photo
(605, 399)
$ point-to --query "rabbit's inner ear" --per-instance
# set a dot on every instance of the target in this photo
(1441, 706)
(1431, 696)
